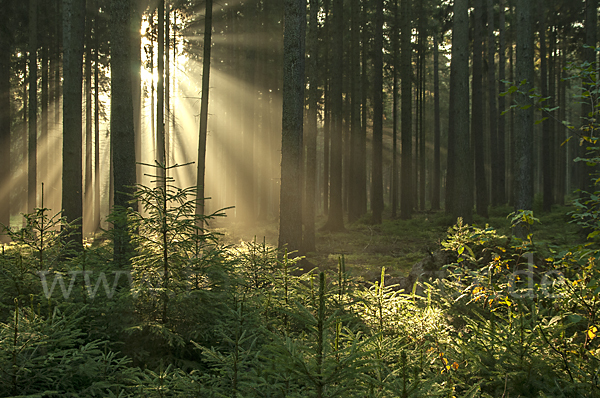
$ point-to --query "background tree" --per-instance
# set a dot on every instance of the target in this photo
(33, 108)
(407, 185)
(377, 158)
(477, 105)
(335, 221)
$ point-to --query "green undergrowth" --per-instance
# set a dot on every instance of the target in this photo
(399, 244)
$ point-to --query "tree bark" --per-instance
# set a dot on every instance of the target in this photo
(5, 114)
(33, 105)
(436, 181)
(500, 199)
(407, 185)
(461, 191)
(121, 122)
(290, 208)
(335, 221)
(73, 35)
(523, 139)
(203, 130)
(477, 123)
(309, 244)
(377, 158)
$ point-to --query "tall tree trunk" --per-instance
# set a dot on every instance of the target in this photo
(406, 183)
(5, 115)
(422, 131)
(395, 40)
(309, 243)
(361, 160)
(377, 158)
(500, 199)
(44, 136)
(477, 123)
(160, 87)
(200, 179)
(326, 108)
(335, 221)
(96, 223)
(493, 111)
(88, 193)
(523, 139)
(591, 26)
(547, 142)
(436, 181)
(73, 35)
(121, 122)
(33, 105)
(168, 141)
(290, 208)
(461, 191)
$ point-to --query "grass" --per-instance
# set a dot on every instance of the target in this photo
(398, 244)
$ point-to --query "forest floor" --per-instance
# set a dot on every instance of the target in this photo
(398, 244)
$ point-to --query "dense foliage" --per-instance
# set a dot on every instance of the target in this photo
(191, 317)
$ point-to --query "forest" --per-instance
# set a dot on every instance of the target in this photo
(299, 198)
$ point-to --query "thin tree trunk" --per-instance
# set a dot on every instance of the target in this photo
(96, 223)
(5, 116)
(395, 40)
(377, 158)
(309, 243)
(477, 104)
(88, 194)
(501, 181)
(200, 179)
(547, 143)
(33, 105)
(493, 111)
(160, 88)
(327, 109)
(437, 181)
(335, 221)
(406, 200)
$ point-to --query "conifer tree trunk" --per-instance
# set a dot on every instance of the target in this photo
(335, 221)
(290, 208)
(200, 179)
(461, 190)
(477, 123)
(327, 108)
(122, 136)
(160, 87)
(309, 243)
(33, 105)
(96, 223)
(361, 159)
(500, 199)
(523, 138)
(547, 141)
(5, 114)
(492, 110)
(73, 35)
(395, 40)
(406, 183)
(436, 177)
(88, 193)
(377, 158)
(44, 159)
